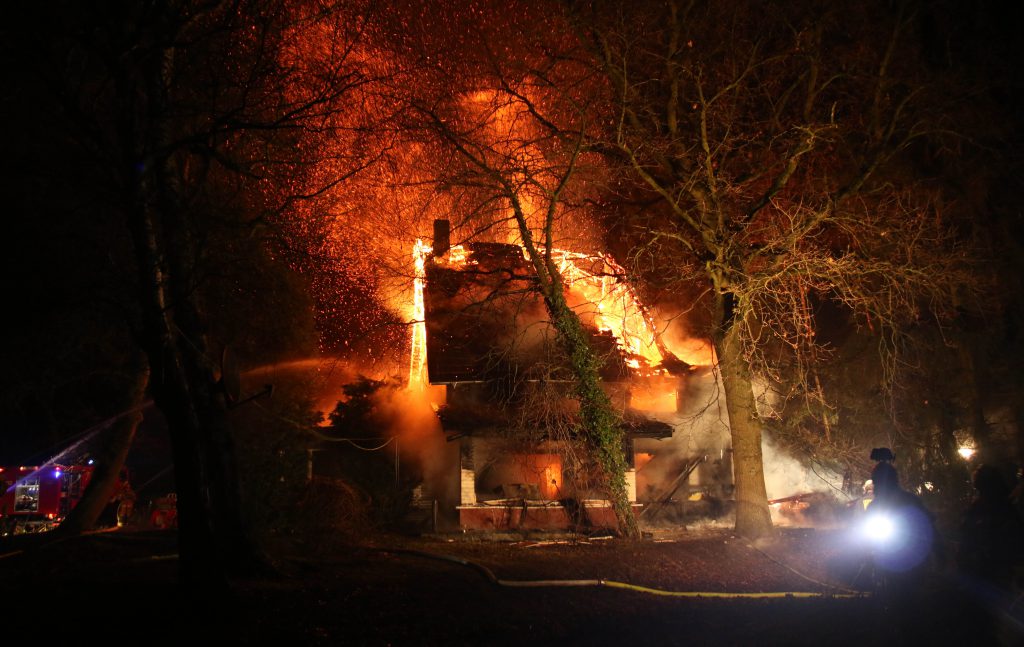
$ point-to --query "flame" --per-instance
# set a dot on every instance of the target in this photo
(654, 400)
(545, 470)
(551, 476)
(597, 278)
(617, 308)
(693, 351)
(641, 459)
(418, 355)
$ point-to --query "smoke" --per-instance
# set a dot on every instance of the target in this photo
(413, 422)
(785, 476)
(701, 429)
(407, 415)
(700, 424)
(672, 327)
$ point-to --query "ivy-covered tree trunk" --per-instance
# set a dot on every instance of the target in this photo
(501, 157)
(599, 421)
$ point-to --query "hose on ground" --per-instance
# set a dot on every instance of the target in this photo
(489, 575)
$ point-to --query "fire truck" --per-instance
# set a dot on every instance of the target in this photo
(36, 499)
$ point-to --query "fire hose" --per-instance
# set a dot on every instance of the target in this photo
(489, 575)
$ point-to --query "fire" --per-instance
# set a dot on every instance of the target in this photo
(659, 398)
(617, 309)
(597, 278)
(693, 351)
(418, 354)
(544, 470)
(642, 459)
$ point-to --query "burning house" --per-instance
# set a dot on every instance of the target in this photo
(486, 340)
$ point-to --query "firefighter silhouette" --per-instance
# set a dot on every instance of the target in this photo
(913, 534)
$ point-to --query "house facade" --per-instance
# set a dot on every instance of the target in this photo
(507, 389)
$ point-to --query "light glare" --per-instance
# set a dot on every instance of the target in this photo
(879, 528)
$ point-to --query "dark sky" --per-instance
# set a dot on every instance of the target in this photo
(67, 261)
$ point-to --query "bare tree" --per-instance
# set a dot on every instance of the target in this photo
(781, 152)
(523, 179)
(498, 168)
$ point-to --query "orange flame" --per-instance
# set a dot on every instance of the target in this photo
(617, 309)
(597, 278)
(418, 356)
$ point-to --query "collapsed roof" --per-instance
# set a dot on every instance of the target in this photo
(487, 324)
(485, 320)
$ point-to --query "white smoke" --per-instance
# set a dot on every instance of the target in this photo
(702, 429)
(785, 476)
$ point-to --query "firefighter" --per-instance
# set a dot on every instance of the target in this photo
(868, 496)
(903, 543)
(912, 530)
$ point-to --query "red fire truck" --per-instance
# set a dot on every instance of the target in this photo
(35, 499)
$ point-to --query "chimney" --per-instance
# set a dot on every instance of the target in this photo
(442, 237)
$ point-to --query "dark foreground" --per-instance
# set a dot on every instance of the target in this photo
(120, 587)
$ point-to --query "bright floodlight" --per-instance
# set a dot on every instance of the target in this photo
(966, 452)
(879, 528)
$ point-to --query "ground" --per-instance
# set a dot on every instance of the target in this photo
(394, 590)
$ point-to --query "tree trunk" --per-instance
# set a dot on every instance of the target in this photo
(198, 559)
(752, 516)
(208, 417)
(110, 458)
(598, 418)
(599, 421)
(211, 538)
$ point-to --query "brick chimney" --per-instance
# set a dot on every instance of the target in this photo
(442, 237)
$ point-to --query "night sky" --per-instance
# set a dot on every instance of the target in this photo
(69, 277)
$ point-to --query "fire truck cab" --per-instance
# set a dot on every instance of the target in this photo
(35, 499)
